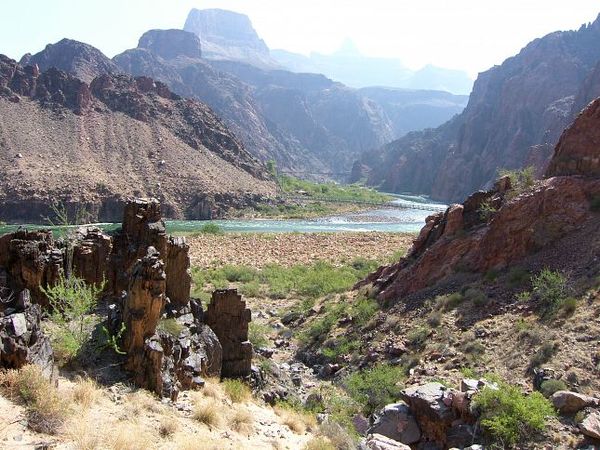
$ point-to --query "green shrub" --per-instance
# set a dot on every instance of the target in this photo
(435, 319)
(170, 326)
(363, 310)
(320, 328)
(242, 274)
(418, 337)
(258, 334)
(486, 211)
(72, 301)
(341, 346)
(251, 289)
(520, 180)
(211, 228)
(374, 388)
(449, 302)
(549, 387)
(476, 296)
(551, 291)
(569, 306)
(517, 276)
(508, 416)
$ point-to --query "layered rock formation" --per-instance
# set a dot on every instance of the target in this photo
(96, 144)
(514, 118)
(230, 36)
(147, 277)
(496, 229)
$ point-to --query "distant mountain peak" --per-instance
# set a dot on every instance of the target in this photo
(348, 48)
(169, 44)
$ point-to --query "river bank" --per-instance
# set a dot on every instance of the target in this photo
(287, 249)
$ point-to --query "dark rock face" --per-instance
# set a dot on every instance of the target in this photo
(81, 60)
(515, 115)
(22, 340)
(228, 316)
(519, 227)
(169, 44)
(152, 120)
(228, 35)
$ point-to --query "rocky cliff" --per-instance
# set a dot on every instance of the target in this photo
(514, 117)
(230, 36)
(554, 222)
(93, 145)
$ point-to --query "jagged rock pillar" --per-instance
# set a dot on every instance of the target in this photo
(228, 317)
(179, 278)
(142, 308)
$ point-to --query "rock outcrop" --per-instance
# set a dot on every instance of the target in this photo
(169, 44)
(22, 340)
(515, 115)
(169, 341)
(119, 137)
(496, 229)
(228, 317)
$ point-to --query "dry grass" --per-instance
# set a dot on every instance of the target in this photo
(142, 401)
(296, 421)
(83, 433)
(208, 412)
(47, 410)
(241, 421)
(86, 392)
(168, 426)
(196, 442)
(319, 443)
(212, 389)
(128, 436)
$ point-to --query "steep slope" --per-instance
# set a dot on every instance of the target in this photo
(94, 145)
(514, 117)
(228, 35)
(81, 60)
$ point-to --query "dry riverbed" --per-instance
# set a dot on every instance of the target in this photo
(258, 250)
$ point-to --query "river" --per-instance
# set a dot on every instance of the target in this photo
(390, 219)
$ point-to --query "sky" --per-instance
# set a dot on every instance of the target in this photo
(472, 35)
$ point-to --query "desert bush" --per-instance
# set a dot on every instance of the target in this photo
(520, 180)
(344, 345)
(551, 290)
(477, 296)
(86, 392)
(319, 443)
(549, 387)
(449, 302)
(517, 276)
(170, 326)
(363, 309)
(434, 319)
(258, 334)
(211, 228)
(250, 289)
(236, 390)
(167, 426)
(418, 337)
(243, 274)
(569, 306)
(47, 410)
(374, 388)
(486, 211)
(296, 419)
(508, 416)
(71, 300)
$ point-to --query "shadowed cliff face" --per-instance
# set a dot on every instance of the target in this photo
(553, 222)
(514, 117)
(95, 145)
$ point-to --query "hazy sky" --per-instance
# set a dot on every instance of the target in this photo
(464, 34)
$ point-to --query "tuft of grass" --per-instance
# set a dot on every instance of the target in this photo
(417, 338)
(508, 416)
(435, 319)
(86, 392)
(319, 443)
(129, 435)
(569, 306)
(449, 302)
(208, 412)
(258, 334)
(241, 421)
(236, 390)
(250, 289)
(477, 296)
(297, 420)
(47, 410)
(168, 426)
(543, 354)
(83, 434)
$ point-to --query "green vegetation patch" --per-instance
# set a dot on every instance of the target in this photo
(376, 387)
(353, 192)
(508, 416)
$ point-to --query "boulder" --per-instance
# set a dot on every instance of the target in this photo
(568, 402)
(379, 442)
(396, 422)
(591, 425)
